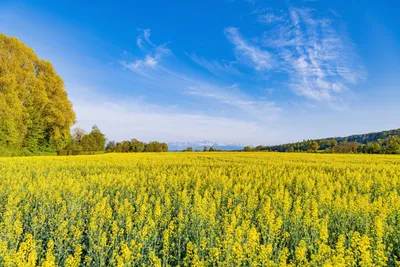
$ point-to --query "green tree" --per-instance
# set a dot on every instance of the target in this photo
(35, 112)
(247, 149)
(110, 147)
(324, 144)
(313, 146)
(157, 147)
(374, 148)
(164, 147)
(137, 146)
(334, 143)
(98, 139)
(93, 142)
(125, 146)
(393, 145)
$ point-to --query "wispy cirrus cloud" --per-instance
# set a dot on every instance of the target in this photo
(215, 67)
(154, 53)
(248, 53)
(319, 60)
(162, 75)
(270, 18)
(260, 110)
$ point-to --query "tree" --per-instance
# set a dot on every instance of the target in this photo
(334, 143)
(35, 112)
(111, 146)
(374, 148)
(205, 149)
(78, 134)
(157, 147)
(98, 139)
(313, 146)
(137, 146)
(93, 142)
(125, 146)
(189, 149)
(212, 149)
(164, 147)
(324, 144)
(247, 149)
(393, 145)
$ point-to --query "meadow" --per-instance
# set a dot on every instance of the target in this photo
(200, 209)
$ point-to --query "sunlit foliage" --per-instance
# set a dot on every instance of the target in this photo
(35, 113)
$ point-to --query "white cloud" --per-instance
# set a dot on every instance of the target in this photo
(270, 18)
(320, 62)
(154, 53)
(335, 13)
(247, 53)
(183, 83)
(138, 64)
(143, 41)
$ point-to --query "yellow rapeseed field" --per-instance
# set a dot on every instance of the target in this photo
(200, 209)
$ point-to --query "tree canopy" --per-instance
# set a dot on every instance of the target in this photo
(385, 142)
(136, 146)
(35, 113)
(85, 143)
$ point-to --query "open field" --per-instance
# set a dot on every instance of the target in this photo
(200, 209)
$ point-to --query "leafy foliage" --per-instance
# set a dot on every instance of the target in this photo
(35, 113)
(136, 146)
(83, 143)
(385, 142)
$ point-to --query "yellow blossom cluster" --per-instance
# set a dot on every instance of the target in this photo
(200, 209)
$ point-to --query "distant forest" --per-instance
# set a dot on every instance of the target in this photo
(385, 142)
(136, 146)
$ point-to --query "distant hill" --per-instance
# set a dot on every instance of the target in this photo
(366, 138)
(376, 142)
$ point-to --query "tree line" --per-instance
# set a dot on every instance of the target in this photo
(135, 145)
(205, 149)
(385, 142)
(84, 143)
(94, 142)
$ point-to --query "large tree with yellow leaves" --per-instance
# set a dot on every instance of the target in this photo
(35, 113)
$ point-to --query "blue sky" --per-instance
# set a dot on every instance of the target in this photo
(248, 72)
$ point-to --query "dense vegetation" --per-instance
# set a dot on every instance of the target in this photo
(84, 143)
(35, 113)
(385, 142)
(200, 209)
(205, 149)
(136, 146)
